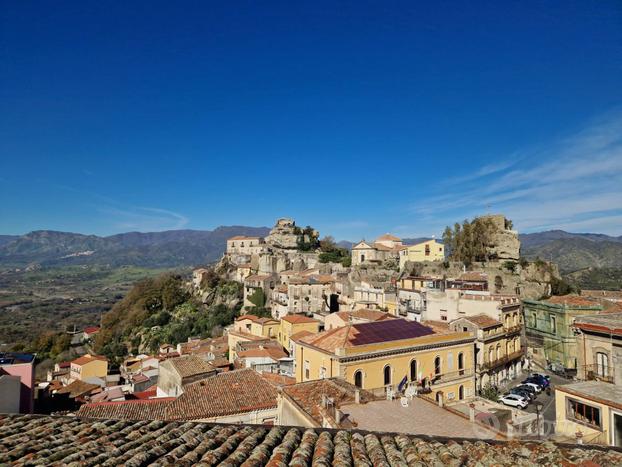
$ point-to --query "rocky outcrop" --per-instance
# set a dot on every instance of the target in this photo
(504, 243)
(284, 234)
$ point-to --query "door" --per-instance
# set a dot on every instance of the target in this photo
(602, 364)
(617, 430)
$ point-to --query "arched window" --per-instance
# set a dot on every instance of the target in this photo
(413, 370)
(461, 363)
(358, 379)
(461, 392)
(362, 258)
(498, 352)
(437, 366)
(387, 375)
(507, 321)
(602, 363)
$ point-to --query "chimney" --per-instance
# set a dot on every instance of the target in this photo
(357, 396)
(337, 416)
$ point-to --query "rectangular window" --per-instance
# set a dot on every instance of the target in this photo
(553, 324)
(306, 367)
(322, 372)
(583, 413)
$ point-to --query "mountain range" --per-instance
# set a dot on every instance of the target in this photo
(173, 248)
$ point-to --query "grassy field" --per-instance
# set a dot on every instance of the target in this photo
(57, 299)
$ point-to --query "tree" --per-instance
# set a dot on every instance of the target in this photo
(469, 241)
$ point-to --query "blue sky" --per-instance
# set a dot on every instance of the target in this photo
(355, 117)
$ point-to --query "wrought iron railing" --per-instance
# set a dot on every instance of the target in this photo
(502, 360)
(597, 372)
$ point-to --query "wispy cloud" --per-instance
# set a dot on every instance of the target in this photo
(573, 183)
(144, 218)
(123, 216)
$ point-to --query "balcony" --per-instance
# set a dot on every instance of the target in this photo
(514, 329)
(602, 373)
(501, 361)
(451, 376)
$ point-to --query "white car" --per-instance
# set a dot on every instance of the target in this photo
(513, 400)
(536, 387)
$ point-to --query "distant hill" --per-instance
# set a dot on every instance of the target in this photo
(153, 249)
(573, 251)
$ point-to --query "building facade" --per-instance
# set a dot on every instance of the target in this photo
(379, 356)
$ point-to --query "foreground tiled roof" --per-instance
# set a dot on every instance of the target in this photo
(611, 323)
(228, 393)
(47, 440)
(88, 359)
(298, 319)
(149, 409)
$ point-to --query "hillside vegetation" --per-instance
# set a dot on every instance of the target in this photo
(161, 310)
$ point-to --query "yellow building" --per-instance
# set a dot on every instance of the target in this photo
(590, 411)
(292, 324)
(260, 327)
(88, 366)
(379, 355)
(424, 251)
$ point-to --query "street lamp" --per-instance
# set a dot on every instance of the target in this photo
(538, 408)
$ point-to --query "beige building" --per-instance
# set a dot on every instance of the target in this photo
(599, 345)
(378, 356)
(176, 373)
(499, 352)
(88, 366)
(257, 289)
(244, 246)
(309, 294)
(590, 411)
(384, 247)
(430, 250)
(368, 296)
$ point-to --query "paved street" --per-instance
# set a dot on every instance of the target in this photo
(548, 402)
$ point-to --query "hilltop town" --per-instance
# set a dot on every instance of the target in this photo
(386, 337)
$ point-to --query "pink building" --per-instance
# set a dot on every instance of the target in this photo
(22, 366)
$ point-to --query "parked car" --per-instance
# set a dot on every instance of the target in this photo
(541, 380)
(540, 375)
(522, 392)
(533, 384)
(529, 389)
(513, 400)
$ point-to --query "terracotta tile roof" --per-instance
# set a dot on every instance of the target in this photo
(250, 317)
(91, 329)
(50, 440)
(366, 313)
(308, 395)
(607, 322)
(572, 300)
(439, 327)
(243, 237)
(88, 359)
(300, 334)
(147, 409)
(257, 277)
(298, 319)
(473, 276)
(190, 365)
(228, 393)
(483, 321)
(278, 380)
(389, 237)
(146, 394)
(367, 333)
(107, 395)
(78, 388)
(268, 352)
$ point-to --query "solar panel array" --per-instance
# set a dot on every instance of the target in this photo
(389, 330)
